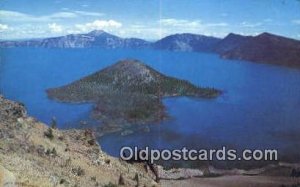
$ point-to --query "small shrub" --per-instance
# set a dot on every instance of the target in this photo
(48, 152)
(51, 152)
(78, 171)
(121, 180)
(88, 133)
(92, 142)
(53, 123)
(67, 148)
(136, 178)
(62, 181)
(49, 134)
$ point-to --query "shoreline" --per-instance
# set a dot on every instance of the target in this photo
(270, 176)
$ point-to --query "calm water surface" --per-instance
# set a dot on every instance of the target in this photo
(260, 107)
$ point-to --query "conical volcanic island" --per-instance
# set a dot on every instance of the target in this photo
(128, 92)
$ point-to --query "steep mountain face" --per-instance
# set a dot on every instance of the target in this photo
(95, 38)
(230, 42)
(128, 92)
(264, 48)
(187, 42)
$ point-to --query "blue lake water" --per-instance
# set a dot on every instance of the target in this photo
(260, 107)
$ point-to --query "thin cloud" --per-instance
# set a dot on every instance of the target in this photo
(85, 13)
(65, 8)
(55, 28)
(3, 27)
(99, 25)
(180, 22)
(13, 16)
(221, 24)
(168, 26)
(190, 23)
(251, 25)
(61, 15)
(296, 21)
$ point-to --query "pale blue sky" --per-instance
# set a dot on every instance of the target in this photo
(150, 19)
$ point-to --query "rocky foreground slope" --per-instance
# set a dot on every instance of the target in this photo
(33, 155)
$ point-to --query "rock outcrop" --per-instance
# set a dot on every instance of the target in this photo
(30, 156)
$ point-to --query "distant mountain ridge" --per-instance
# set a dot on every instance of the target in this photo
(187, 42)
(230, 42)
(264, 48)
(97, 38)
